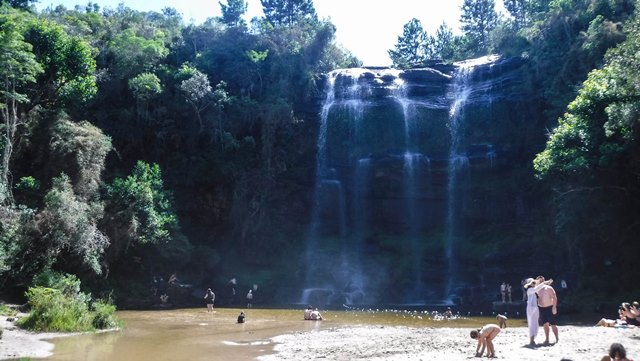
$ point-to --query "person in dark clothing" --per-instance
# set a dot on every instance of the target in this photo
(241, 317)
(209, 298)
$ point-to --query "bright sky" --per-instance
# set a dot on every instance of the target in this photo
(367, 28)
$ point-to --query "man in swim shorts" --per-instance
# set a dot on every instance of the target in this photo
(548, 307)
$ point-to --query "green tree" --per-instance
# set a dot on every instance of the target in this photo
(444, 43)
(134, 54)
(287, 12)
(200, 95)
(258, 58)
(18, 4)
(18, 67)
(410, 47)
(68, 63)
(140, 209)
(478, 18)
(519, 11)
(68, 225)
(592, 159)
(81, 150)
(145, 86)
(233, 11)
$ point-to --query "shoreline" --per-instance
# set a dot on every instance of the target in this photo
(409, 344)
(350, 339)
(18, 343)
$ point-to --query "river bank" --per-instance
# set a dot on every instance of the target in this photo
(16, 342)
(404, 344)
(273, 335)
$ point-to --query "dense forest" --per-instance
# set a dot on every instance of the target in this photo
(137, 146)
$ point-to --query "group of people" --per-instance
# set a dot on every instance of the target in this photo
(210, 296)
(628, 315)
(312, 314)
(505, 292)
(542, 309)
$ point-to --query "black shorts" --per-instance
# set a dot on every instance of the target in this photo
(633, 321)
(546, 316)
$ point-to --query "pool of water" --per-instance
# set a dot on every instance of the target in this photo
(194, 334)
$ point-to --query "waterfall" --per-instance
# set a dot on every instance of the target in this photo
(386, 205)
(321, 170)
(330, 192)
(460, 93)
(411, 163)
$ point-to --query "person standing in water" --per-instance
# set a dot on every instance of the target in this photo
(250, 299)
(209, 298)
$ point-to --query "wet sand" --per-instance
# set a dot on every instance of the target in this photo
(271, 335)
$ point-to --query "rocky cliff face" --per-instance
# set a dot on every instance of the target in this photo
(420, 181)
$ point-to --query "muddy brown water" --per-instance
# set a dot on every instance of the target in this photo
(194, 334)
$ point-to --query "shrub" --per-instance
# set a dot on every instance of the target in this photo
(51, 310)
(7, 311)
(104, 315)
(57, 304)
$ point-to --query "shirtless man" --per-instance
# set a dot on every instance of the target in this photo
(548, 307)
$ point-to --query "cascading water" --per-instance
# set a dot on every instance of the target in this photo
(461, 90)
(328, 183)
(412, 165)
(386, 211)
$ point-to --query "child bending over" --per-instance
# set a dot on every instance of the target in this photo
(485, 338)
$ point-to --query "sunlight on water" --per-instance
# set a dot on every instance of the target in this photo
(194, 334)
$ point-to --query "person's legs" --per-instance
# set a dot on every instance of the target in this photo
(532, 323)
(555, 331)
(491, 352)
(546, 332)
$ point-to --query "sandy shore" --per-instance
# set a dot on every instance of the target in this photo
(403, 343)
(16, 343)
(400, 343)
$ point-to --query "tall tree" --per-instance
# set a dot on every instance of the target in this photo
(444, 42)
(410, 48)
(232, 12)
(134, 54)
(18, 4)
(518, 9)
(18, 66)
(287, 12)
(478, 18)
(592, 159)
(68, 63)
